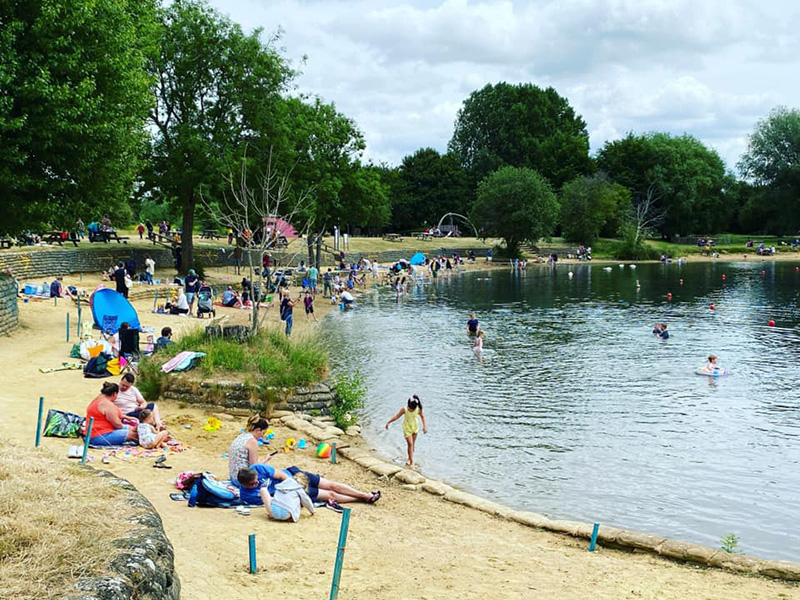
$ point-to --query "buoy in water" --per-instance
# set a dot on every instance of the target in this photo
(711, 306)
(771, 323)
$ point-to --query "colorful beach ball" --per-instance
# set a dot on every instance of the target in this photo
(324, 450)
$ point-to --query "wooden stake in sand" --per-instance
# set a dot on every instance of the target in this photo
(39, 421)
(593, 542)
(337, 569)
(252, 542)
(86, 441)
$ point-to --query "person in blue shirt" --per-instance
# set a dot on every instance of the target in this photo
(192, 285)
(257, 477)
(473, 327)
(664, 334)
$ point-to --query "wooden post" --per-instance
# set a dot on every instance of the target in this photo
(39, 422)
(86, 440)
(337, 569)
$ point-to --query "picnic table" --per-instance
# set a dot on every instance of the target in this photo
(392, 237)
(107, 236)
(210, 234)
(6, 243)
(59, 237)
(423, 235)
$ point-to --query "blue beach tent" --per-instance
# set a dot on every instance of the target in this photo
(418, 259)
(111, 309)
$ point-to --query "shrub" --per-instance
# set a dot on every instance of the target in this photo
(350, 392)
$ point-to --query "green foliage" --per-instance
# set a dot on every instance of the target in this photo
(687, 176)
(591, 206)
(730, 544)
(429, 185)
(521, 126)
(275, 360)
(74, 96)
(350, 393)
(365, 198)
(633, 246)
(517, 205)
(216, 89)
(772, 161)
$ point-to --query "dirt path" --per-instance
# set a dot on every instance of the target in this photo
(409, 545)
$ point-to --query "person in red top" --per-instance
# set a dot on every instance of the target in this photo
(108, 428)
(140, 229)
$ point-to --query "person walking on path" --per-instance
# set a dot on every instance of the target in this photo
(286, 311)
(149, 269)
(410, 412)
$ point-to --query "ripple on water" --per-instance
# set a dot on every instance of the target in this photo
(577, 411)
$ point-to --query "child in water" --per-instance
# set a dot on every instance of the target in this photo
(478, 347)
(712, 365)
(410, 424)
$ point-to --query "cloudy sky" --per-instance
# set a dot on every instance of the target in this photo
(401, 69)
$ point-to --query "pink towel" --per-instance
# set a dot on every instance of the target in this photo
(176, 360)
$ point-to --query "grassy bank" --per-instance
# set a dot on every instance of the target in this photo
(269, 359)
(57, 521)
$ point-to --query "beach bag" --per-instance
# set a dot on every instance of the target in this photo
(62, 424)
(187, 479)
(114, 366)
(209, 491)
(76, 351)
(97, 367)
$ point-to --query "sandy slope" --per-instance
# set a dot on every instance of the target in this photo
(410, 545)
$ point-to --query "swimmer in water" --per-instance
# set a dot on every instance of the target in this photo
(712, 365)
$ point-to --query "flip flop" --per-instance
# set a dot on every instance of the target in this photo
(376, 495)
(334, 506)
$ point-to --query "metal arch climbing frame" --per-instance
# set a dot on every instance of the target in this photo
(462, 217)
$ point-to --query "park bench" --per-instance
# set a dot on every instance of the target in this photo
(392, 237)
(59, 237)
(6, 243)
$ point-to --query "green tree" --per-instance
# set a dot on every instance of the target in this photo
(365, 198)
(522, 126)
(218, 92)
(428, 186)
(772, 163)
(74, 95)
(515, 204)
(688, 176)
(591, 205)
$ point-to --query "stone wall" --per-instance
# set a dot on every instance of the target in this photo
(144, 569)
(9, 312)
(316, 399)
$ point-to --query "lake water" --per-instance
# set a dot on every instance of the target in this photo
(578, 412)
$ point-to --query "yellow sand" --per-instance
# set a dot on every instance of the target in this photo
(409, 545)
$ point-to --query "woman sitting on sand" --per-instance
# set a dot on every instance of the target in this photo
(108, 428)
(243, 451)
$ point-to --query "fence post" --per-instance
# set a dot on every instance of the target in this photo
(39, 422)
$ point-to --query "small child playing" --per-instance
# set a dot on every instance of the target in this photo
(148, 437)
(712, 365)
(308, 303)
(410, 424)
(478, 347)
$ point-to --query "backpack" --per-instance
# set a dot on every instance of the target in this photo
(209, 491)
(97, 367)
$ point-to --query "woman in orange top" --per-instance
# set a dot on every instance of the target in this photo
(108, 429)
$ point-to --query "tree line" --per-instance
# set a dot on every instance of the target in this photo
(140, 109)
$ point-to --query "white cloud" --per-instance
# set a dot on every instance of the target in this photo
(402, 69)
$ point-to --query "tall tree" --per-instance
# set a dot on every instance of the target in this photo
(688, 176)
(74, 95)
(429, 185)
(772, 163)
(517, 205)
(365, 198)
(591, 205)
(215, 90)
(522, 126)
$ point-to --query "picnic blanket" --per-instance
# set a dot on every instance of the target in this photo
(183, 361)
(129, 453)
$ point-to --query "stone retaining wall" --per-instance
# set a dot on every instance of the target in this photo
(144, 569)
(608, 536)
(316, 399)
(9, 312)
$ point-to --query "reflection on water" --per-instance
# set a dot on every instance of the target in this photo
(577, 411)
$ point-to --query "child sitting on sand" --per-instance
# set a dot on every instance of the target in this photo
(148, 437)
(410, 424)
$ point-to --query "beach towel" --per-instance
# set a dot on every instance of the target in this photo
(183, 361)
(67, 366)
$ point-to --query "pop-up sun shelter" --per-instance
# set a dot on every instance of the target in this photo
(418, 259)
(110, 309)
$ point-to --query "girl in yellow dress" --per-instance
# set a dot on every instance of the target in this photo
(410, 424)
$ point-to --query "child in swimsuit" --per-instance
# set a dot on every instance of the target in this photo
(410, 424)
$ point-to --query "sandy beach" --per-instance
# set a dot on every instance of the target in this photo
(409, 545)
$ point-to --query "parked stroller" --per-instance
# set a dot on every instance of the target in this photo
(205, 302)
